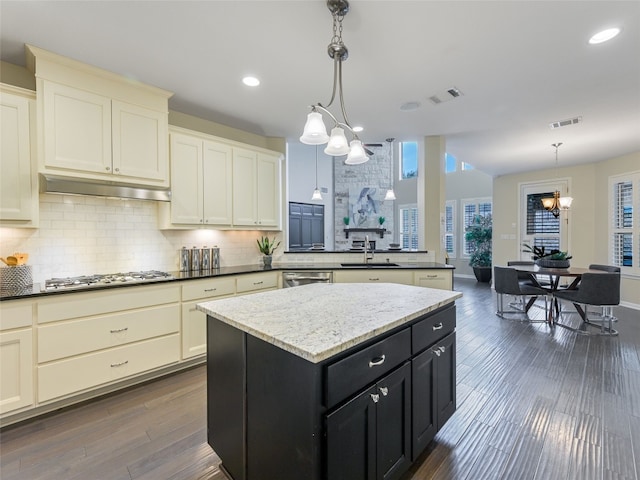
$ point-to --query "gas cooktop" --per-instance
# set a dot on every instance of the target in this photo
(93, 281)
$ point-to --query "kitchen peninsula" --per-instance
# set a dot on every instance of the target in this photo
(335, 381)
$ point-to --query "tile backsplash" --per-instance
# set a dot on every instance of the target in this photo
(82, 235)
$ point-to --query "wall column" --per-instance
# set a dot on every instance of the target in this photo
(432, 196)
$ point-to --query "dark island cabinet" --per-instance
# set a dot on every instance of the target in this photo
(363, 414)
(370, 436)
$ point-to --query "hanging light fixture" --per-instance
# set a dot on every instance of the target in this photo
(317, 195)
(556, 203)
(391, 195)
(315, 131)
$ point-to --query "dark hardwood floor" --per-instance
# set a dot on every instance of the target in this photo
(533, 403)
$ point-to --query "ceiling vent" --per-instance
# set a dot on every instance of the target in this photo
(445, 95)
(565, 123)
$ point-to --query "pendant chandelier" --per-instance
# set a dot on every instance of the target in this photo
(315, 131)
(556, 203)
(317, 195)
(391, 195)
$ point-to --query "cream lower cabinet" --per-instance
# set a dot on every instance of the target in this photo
(373, 276)
(90, 339)
(18, 172)
(16, 356)
(194, 322)
(442, 279)
(200, 181)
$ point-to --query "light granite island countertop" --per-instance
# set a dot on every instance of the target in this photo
(318, 321)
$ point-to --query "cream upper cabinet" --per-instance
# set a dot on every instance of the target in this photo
(18, 176)
(256, 189)
(201, 181)
(97, 125)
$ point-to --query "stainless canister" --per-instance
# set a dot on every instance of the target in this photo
(195, 259)
(206, 259)
(215, 257)
(185, 259)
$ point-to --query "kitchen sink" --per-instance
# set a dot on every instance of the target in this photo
(369, 265)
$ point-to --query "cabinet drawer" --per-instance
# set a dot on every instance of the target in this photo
(431, 329)
(79, 373)
(212, 287)
(15, 314)
(441, 279)
(262, 281)
(62, 340)
(84, 304)
(356, 371)
(373, 276)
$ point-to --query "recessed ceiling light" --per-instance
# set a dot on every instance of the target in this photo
(358, 129)
(251, 81)
(604, 35)
(408, 106)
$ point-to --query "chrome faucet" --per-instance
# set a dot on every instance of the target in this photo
(368, 255)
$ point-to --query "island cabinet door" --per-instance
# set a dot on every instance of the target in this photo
(369, 437)
(446, 378)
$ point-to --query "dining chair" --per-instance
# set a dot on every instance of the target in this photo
(506, 282)
(595, 289)
(599, 316)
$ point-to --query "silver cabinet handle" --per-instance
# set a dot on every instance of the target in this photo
(437, 352)
(210, 289)
(442, 349)
(374, 279)
(375, 397)
(437, 326)
(376, 361)
(258, 283)
(384, 391)
(118, 330)
(113, 365)
(117, 170)
(108, 169)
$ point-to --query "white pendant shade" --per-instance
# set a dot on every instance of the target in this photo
(316, 195)
(357, 154)
(338, 144)
(315, 132)
(565, 202)
(391, 195)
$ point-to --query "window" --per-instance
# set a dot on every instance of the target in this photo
(624, 238)
(466, 166)
(449, 228)
(408, 160)
(542, 226)
(471, 208)
(450, 163)
(409, 227)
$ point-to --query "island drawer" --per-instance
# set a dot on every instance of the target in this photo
(428, 331)
(352, 373)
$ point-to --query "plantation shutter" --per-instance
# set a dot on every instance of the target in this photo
(622, 245)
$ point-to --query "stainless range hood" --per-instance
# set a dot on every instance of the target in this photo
(76, 186)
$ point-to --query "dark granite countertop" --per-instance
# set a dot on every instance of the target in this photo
(36, 289)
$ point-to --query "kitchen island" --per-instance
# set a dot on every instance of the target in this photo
(329, 381)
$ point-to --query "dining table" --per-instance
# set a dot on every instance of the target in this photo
(555, 275)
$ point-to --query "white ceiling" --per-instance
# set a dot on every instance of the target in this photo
(519, 64)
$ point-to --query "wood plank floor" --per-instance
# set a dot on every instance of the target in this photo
(533, 403)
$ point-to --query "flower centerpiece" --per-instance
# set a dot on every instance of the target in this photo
(551, 259)
(267, 247)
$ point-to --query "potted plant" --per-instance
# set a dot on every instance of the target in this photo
(346, 220)
(381, 220)
(478, 236)
(267, 247)
(552, 259)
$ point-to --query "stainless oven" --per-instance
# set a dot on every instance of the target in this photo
(295, 279)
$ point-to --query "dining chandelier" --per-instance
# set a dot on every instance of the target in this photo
(315, 131)
(556, 203)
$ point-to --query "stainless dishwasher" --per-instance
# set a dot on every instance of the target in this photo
(295, 279)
